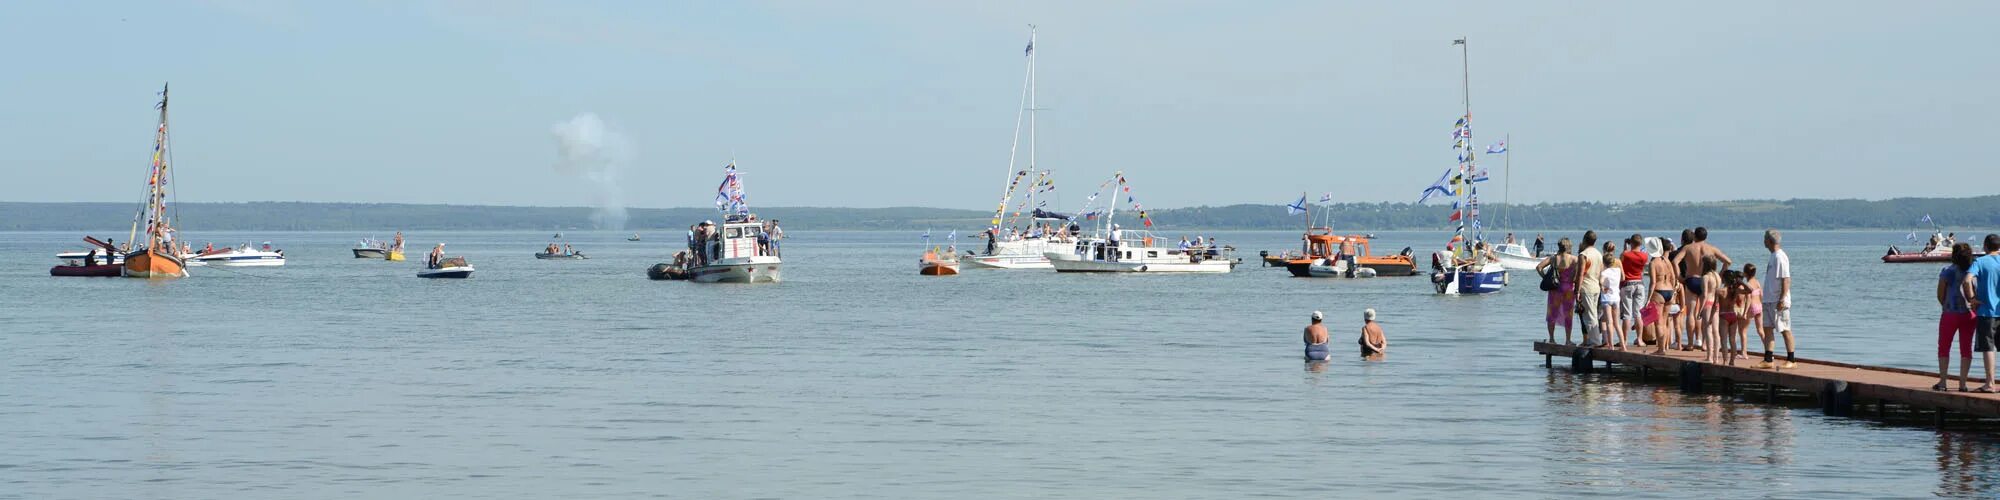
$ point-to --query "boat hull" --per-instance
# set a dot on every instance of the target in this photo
(370, 253)
(560, 256)
(1468, 282)
(937, 269)
(666, 272)
(100, 270)
(393, 256)
(458, 272)
(1894, 257)
(1064, 263)
(150, 265)
(745, 270)
(1005, 262)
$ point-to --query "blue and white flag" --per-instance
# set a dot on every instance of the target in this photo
(1497, 148)
(1437, 187)
(1927, 218)
(1297, 207)
(953, 235)
(1912, 236)
(927, 234)
(1326, 197)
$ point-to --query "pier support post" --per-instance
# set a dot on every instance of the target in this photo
(1644, 372)
(1691, 377)
(1837, 398)
(1548, 361)
(1770, 393)
(1579, 360)
(1937, 417)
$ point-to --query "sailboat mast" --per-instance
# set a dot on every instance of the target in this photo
(1034, 179)
(156, 182)
(1506, 216)
(1014, 149)
(1465, 168)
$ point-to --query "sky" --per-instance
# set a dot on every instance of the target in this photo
(878, 103)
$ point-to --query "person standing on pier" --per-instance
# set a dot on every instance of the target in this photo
(1589, 284)
(1316, 339)
(1778, 300)
(1560, 303)
(1632, 287)
(1957, 319)
(1985, 275)
(1373, 344)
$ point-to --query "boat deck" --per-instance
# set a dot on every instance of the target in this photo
(1838, 385)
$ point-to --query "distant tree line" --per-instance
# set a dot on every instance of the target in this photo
(1963, 214)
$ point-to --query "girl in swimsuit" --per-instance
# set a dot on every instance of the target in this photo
(1662, 271)
(1754, 310)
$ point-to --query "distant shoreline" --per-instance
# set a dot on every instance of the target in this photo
(1976, 214)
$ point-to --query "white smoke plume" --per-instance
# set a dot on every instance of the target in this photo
(587, 148)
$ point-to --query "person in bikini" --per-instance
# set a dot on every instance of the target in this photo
(1697, 262)
(1664, 279)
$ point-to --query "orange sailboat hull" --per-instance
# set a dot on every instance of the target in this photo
(147, 264)
(937, 268)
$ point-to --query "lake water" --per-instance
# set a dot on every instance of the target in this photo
(334, 377)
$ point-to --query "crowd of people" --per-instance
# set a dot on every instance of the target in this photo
(704, 240)
(1691, 297)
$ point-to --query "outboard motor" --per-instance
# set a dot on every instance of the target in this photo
(1265, 256)
(1405, 252)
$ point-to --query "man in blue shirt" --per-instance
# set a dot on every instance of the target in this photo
(1985, 276)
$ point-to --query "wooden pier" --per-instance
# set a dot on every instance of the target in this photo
(1838, 386)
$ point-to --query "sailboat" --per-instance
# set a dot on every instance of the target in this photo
(157, 257)
(1011, 242)
(1465, 266)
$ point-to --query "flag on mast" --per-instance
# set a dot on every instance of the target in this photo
(1497, 148)
(1297, 207)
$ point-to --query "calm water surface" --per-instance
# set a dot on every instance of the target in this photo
(342, 378)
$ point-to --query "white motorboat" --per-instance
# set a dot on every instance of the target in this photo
(244, 256)
(453, 267)
(1099, 255)
(1515, 257)
(1025, 253)
(735, 257)
(733, 252)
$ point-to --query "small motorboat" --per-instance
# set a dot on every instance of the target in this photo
(1897, 256)
(635, 237)
(394, 255)
(560, 256)
(100, 263)
(1327, 268)
(244, 256)
(452, 267)
(80, 269)
(665, 271)
(932, 264)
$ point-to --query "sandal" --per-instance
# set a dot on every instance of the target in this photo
(1984, 389)
(1939, 387)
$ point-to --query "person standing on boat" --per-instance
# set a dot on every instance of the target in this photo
(1116, 234)
(1538, 245)
(437, 255)
(1347, 254)
(777, 235)
(1316, 339)
(1373, 344)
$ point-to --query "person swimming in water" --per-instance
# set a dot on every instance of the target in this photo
(1316, 339)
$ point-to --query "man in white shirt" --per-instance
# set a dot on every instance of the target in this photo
(1777, 301)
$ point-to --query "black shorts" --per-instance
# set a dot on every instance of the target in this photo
(1982, 334)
